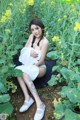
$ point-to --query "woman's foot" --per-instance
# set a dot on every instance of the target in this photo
(26, 105)
(40, 113)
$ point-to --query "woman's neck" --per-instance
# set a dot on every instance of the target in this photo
(37, 40)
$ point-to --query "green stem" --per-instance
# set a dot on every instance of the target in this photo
(72, 52)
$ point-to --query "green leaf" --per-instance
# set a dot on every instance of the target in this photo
(77, 62)
(74, 95)
(4, 98)
(4, 69)
(6, 108)
(55, 68)
(17, 73)
(2, 60)
(67, 74)
(18, 46)
(77, 77)
(69, 115)
(2, 88)
(13, 52)
(63, 92)
(53, 80)
(53, 55)
(59, 111)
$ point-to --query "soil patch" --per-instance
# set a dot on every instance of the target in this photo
(47, 94)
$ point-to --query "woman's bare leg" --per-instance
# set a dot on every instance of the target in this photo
(32, 89)
(42, 71)
(24, 88)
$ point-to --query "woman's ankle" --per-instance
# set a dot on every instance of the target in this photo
(40, 105)
(27, 98)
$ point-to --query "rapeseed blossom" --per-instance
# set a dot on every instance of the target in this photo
(7, 13)
(56, 38)
(63, 62)
(31, 2)
(3, 19)
(77, 26)
(55, 101)
(6, 16)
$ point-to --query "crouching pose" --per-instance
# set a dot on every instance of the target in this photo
(32, 57)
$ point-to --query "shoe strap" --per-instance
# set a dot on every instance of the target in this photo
(39, 110)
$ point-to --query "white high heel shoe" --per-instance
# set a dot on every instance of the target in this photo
(40, 113)
(26, 105)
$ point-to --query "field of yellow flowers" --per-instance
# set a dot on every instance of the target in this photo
(62, 29)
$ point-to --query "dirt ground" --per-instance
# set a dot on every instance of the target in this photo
(47, 94)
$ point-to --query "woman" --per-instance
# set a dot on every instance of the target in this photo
(35, 50)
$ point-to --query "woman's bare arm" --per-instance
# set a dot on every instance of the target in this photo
(44, 49)
(32, 53)
(29, 40)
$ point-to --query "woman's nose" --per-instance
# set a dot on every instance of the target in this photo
(35, 31)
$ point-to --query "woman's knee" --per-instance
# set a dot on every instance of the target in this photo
(19, 78)
(27, 79)
(25, 76)
(42, 72)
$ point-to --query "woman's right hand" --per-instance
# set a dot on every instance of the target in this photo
(34, 54)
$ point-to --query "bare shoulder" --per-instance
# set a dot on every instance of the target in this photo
(45, 41)
(31, 36)
(29, 40)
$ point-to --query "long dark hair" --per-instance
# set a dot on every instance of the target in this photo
(40, 24)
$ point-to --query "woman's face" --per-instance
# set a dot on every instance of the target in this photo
(36, 31)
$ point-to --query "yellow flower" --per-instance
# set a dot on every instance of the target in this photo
(59, 20)
(6, 16)
(31, 2)
(77, 26)
(55, 102)
(7, 13)
(3, 19)
(63, 62)
(56, 38)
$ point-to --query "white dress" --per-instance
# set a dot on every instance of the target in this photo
(28, 62)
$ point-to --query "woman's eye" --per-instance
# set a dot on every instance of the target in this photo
(37, 28)
(32, 29)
